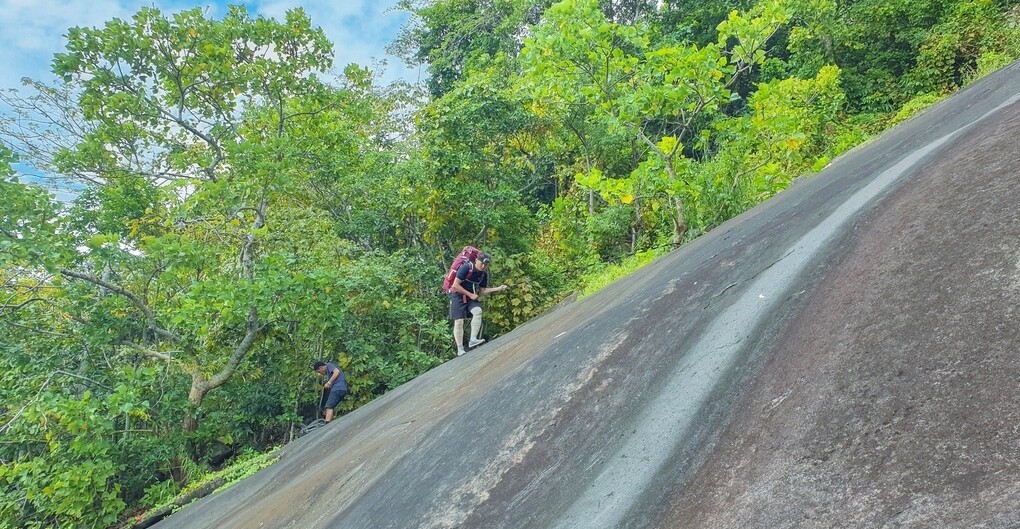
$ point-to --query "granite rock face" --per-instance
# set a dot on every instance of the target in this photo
(845, 355)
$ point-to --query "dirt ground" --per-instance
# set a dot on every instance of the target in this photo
(891, 399)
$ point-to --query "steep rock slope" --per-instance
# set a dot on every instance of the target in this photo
(845, 355)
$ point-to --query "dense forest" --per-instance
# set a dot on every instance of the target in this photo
(242, 207)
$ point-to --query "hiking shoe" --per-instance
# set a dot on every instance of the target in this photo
(461, 351)
(475, 342)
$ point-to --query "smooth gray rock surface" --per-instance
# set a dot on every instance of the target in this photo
(845, 355)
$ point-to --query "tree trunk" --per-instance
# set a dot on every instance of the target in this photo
(636, 229)
(199, 387)
(679, 223)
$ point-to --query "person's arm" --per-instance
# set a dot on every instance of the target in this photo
(332, 379)
(500, 288)
(458, 287)
(461, 290)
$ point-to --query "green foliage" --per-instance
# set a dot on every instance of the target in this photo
(167, 495)
(564, 235)
(609, 231)
(28, 233)
(237, 217)
(60, 456)
(535, 283)
(693, 21)
(786, 132)
(600, 278)
(159, 495)
(914, 106)
(452, 36)
(476, 162)
(892, 51)
(660, 95)
(196, 243)
(949, 55)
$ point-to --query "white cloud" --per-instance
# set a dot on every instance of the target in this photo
(359, 30)
(31, 31)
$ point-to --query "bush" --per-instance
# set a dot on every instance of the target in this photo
(609, 231)
(915, 105)
(60, 469)
(601, 278)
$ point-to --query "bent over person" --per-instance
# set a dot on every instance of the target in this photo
(472, 281)
(336, 385)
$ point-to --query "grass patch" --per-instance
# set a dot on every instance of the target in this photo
(244, 465)
(598, 279)
(915, 105)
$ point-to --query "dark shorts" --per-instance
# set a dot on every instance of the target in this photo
(460, 310)
(335, 396)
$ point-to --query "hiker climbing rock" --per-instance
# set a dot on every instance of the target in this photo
(335, 386)
(470, 282)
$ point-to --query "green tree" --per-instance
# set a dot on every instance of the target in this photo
(659, 95)
(692, 21)
(890, 51)
(199, 244)
(186, 151)
(787, 131)
(57, 461)
(453, 36)
(950, 53)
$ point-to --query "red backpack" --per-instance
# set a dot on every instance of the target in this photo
(468, 254)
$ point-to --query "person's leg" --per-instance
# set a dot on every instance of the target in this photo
(458, 311)
(458, 334)
(335, 396)
(476, 326)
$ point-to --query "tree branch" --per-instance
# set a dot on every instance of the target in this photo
(133, 299)
(39, 331)
(87, 379)
(20, 305)
(161, 355)
(27, 404)
(242, 348)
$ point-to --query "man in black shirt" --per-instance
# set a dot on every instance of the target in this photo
(336, 385)
(472, 281)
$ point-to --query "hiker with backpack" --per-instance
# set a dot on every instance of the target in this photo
(464, 286)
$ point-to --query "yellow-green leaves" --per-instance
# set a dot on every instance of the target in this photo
(611, 189)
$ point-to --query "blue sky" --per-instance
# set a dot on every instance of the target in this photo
(31, 31)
